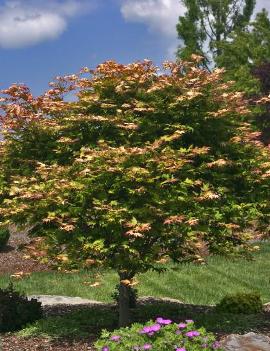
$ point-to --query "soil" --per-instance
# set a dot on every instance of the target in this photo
(12, 257)
(14, 343)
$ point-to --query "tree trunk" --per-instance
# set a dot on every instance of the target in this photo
(124, 303)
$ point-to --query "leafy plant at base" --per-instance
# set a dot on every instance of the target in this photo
(147, 166)
(247, 303)
(16, 310)
(161, 335)
(4, 237)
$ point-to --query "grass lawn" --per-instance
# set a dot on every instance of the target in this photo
(189, 283)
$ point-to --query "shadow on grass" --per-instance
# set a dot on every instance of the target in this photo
(88, 322)
(78, 324)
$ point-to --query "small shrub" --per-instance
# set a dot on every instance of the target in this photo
(16, 310)
(4, 236)
(246, 303)
(160, 335)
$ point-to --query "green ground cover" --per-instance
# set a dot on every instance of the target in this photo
(189, 283)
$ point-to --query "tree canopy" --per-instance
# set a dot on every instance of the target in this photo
(146, 165)
(246, 58)
(249, 46)
(206, 23)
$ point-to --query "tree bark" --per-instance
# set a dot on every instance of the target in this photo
(124, 303)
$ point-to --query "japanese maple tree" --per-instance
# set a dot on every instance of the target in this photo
(146, 165)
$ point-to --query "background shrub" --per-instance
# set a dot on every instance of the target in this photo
(247, 303)
(4, 237)
(16, 310)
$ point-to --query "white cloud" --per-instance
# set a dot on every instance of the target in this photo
(28, 22)
(160, 15)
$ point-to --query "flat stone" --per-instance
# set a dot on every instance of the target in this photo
(266, 307)
(51, 300)
(247, 342)
(152, 299)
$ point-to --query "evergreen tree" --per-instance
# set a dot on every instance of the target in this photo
(246, 58)
(249, 46)
(206, 23)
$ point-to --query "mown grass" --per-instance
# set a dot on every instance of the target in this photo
(189, 283)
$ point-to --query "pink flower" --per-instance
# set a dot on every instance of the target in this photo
(192, 333)
(180, 349)
(163, 321)
(155, 327)
(216, 345)
(115, 337)
(150, 330)
(182, 325)
(145, 330)
(147, 346)
(196, 333)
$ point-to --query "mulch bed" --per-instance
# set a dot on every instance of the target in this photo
(14, 343)
(12, 256)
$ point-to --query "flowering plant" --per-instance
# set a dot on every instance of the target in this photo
(159, 335)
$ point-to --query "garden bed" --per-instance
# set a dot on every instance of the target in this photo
(13, 258)
(77, 327)
(15, 343)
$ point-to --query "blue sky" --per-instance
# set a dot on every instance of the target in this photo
(40, 39)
